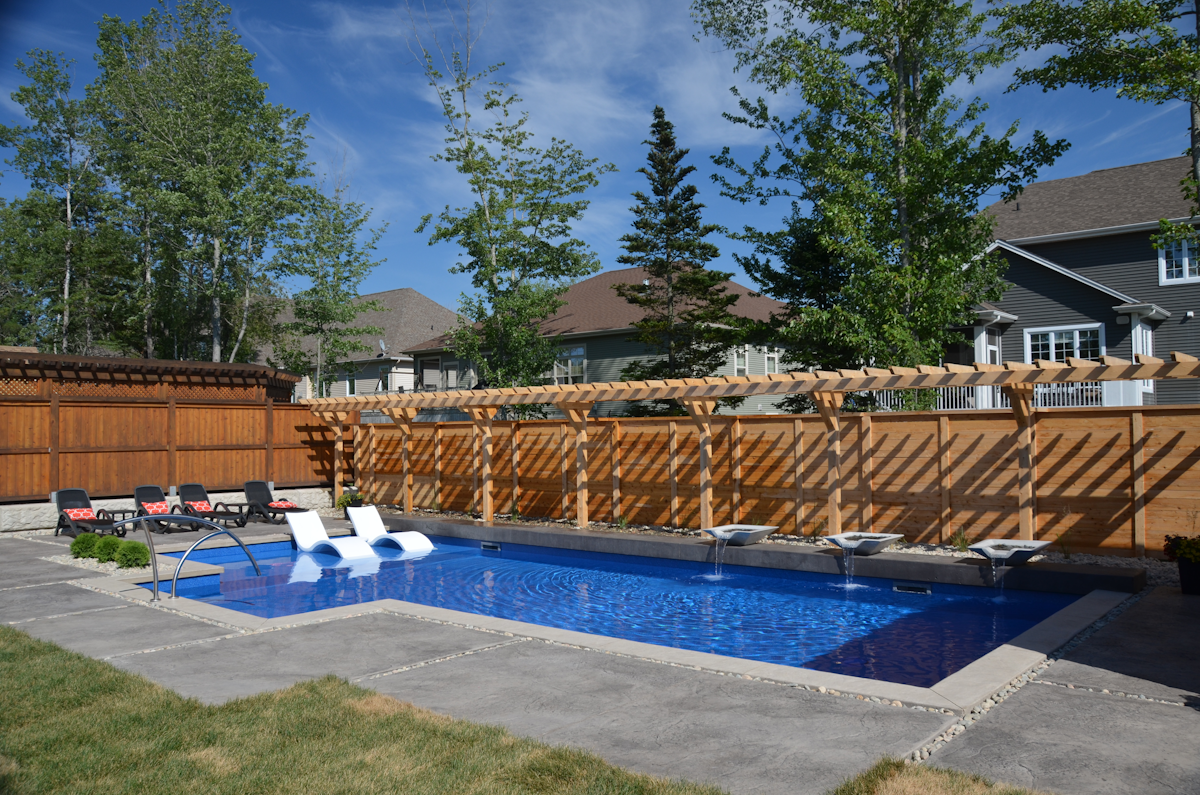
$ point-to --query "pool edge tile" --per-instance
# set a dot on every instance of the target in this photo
(976, 681)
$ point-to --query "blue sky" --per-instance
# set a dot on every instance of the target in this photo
(588, 72)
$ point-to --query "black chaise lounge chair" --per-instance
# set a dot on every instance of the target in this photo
(194, 500)
(76, 515)
(261, 503)
(151, 501)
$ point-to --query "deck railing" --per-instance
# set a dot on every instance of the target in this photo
(1046, 396)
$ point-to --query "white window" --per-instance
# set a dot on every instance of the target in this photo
(450, 376)
(429, 372)
(1056, 344)
(571, 366)
(1178, 264)
(772, 360)
(350, 390)
(739, 361)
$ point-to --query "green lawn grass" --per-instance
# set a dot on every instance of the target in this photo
(71, 724)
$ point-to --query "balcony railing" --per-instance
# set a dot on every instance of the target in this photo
(1045, 396)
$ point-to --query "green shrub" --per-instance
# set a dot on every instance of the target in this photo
(84, 545)
(348, 500)
(132, 555)
(1182, 548)
(106, 548)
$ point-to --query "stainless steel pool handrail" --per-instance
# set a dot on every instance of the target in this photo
(221, 531)
(145, 522)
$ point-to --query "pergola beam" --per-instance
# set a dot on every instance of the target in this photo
(1109, 368)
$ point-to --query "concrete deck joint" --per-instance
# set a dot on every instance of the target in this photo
(64, 615)
(423, 663)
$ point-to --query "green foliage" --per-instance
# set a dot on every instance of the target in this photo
(1182, 548)
(208, 172)
(1137, 47)
(959, 540)
(516, 235)
(106, 548)
(332, 248)
(346, 499)
(132, 555)
(84, 545)
(882, 253)
(687, 321)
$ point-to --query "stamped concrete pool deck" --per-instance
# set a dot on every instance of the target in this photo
(654, 714)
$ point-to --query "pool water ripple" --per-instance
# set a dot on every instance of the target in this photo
(790, 618)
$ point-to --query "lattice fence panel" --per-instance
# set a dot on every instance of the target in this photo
(108, 389)
(18, 386)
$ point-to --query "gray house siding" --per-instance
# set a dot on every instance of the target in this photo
(1129, 264)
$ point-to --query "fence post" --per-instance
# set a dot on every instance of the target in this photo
(54, 442)
(482, 418)
(944, 479)
(798, 472)
(735, 454)
(172, 445)
(1021, 398)
(577, 416)
(615, 453)
(673, 471)
(565, 500)
(270, 441)
(701, 412)
(1137, 464)
(437, 466)
(515, 452)
(829, 404)
(866, 441)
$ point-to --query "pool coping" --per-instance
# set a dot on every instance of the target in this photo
(956, 694)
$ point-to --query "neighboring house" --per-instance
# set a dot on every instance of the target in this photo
(1086, 281)
(407, 318)
(596, 324)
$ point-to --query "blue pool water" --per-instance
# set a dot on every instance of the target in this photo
(791, 618)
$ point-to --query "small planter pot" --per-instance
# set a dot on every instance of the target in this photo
(1189, 577)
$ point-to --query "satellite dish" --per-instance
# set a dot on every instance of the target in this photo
(382, 348)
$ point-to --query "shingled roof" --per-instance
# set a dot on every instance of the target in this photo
(1111, 197)
(594, 306)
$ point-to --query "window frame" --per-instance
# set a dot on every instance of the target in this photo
(771, 353)
(565, 354)
(351, 385)
(1188, 262)
(1029, 332)
(744, 352)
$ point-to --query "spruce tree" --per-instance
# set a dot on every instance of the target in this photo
(687, 321)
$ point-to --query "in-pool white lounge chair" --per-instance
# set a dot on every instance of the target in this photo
(368, 526)
(309, 533)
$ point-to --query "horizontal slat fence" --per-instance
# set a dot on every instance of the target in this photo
(1113, 479)
(110, 447)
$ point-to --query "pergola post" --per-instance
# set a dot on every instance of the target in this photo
(829, 404)
(701, 414)
(1021, 398)
(403, 418)
(577, 416)
(482, 417)
(335, 420)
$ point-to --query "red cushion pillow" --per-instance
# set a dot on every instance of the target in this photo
(156, 507)
(200, 506)
(282, 504)
(80, 514)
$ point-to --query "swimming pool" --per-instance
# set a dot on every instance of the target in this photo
(791, 618)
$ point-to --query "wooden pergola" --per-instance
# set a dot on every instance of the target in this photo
(700, 395)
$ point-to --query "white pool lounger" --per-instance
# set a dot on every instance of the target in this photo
(310, 536)
(369, 527)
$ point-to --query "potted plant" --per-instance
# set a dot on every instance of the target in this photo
(1186, 552)
(348, 500)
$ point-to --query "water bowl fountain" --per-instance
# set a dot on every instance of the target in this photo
(1006, 552)
(864, 543)
(740, 535)
(737, 534)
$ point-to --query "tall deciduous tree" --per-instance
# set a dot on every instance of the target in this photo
(209, 163)
(516, 235)
(64, 212)
(332, 248)
(687, 321)
(1148, 51)
(886, 167)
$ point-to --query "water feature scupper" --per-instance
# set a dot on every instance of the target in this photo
(739, 535)
(860, 544)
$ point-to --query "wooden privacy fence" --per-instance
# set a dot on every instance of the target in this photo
(1116, 479)
(111, 446)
